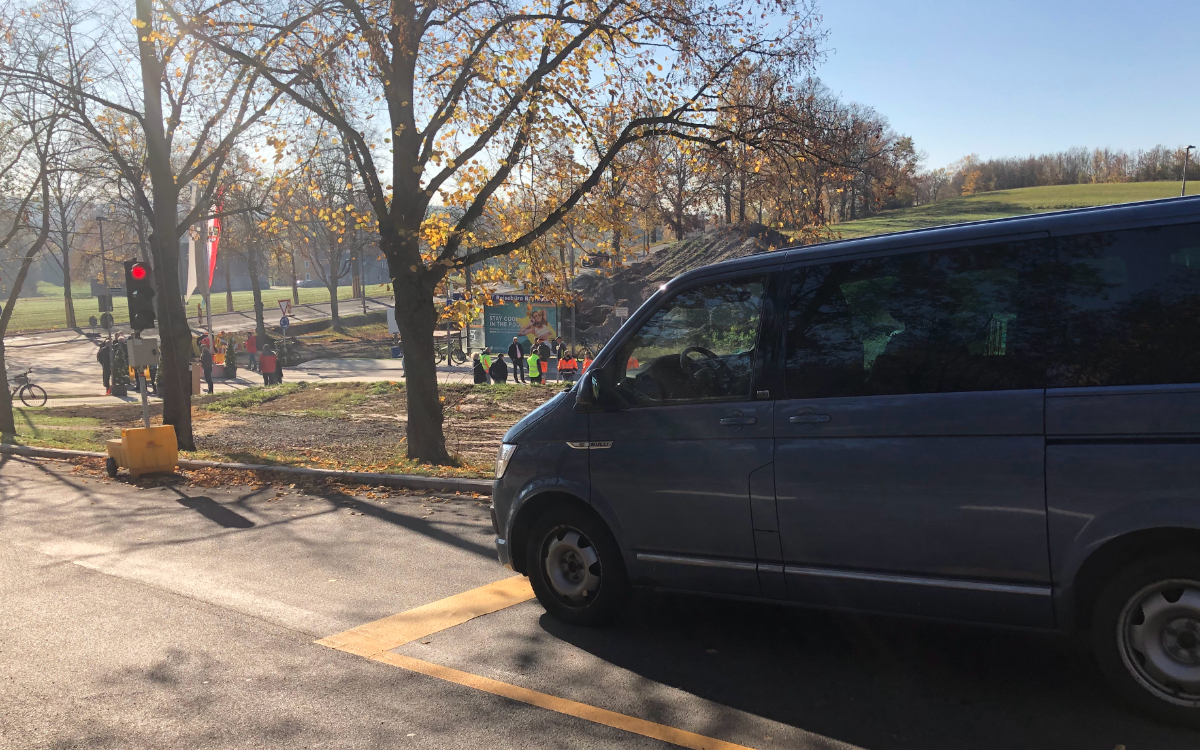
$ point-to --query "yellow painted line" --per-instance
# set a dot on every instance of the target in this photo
(394, 631)
(375, 640)
(632, 724)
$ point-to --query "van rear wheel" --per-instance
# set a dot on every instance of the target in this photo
(1146, 635)
(575, 567)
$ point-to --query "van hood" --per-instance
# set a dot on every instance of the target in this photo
(529, 420)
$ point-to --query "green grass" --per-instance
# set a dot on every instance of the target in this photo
(46, 312)
(1003, 203)
(249, 398)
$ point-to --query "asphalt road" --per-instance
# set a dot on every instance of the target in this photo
(185, 618)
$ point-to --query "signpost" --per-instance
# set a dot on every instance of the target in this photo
(621, 312)
(285, 307)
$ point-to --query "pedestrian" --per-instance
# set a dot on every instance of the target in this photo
(568, 367)
(560, 347)
(486, 360)
(103, 357)
(120, 367)
(544, 352)
(206, 364)
(535, 368)
(480, 374)
(499, 370)
(252, 350)
(517, 355)
(267, 364)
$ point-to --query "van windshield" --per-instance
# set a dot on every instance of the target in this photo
(698, 346)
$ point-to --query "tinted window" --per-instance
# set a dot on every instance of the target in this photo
(1128, 307)
(699, 346)
(931, 322)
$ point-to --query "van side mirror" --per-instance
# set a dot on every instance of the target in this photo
(589, 391)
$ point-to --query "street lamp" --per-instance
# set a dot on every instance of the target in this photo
(1186, 152)
(104, 268)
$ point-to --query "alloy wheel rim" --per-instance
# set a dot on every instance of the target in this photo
(1160, 640)
(572, 567)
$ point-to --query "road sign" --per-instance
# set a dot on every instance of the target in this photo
(284, 322)
(621, 312)
(285, 307)
(106, 321)
(92, 321)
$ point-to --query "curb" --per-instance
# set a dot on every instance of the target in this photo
(403, 481)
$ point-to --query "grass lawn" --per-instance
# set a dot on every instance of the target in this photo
(1002, 203)
(46, 311)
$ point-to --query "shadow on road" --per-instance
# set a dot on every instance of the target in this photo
(874, 682)
(214, 511)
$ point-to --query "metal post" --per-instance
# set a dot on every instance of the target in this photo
(104, 268)
(1186, 153)
(143, 386)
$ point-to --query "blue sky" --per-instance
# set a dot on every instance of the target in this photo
(1014, 77)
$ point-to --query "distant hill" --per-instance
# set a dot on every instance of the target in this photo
(1002, 203)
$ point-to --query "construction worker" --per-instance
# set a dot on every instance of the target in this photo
(535, 367)
(486, 360)
(568, 367)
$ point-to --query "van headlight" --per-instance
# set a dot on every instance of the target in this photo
(503, 457)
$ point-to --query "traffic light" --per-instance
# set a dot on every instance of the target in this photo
(139, 291)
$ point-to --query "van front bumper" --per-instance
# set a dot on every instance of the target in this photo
(501, 542)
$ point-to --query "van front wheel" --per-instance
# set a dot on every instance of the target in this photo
(1146, 635)
(575, 567)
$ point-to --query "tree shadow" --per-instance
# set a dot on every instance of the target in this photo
(212, 510)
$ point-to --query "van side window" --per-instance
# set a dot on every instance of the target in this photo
(699, 346)
(1128, 307)
(929, 322)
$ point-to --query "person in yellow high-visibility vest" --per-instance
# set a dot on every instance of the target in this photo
(485, 359)
(535, 367)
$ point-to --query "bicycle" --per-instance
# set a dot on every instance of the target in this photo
(452, 350)
(28, 391)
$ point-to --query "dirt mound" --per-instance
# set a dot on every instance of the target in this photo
(631, 286)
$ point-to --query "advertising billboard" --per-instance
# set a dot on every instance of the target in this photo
(518, 315)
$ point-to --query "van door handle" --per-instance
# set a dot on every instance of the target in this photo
(739, 420)
(808, 418)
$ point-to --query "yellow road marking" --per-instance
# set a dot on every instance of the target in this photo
(375, 640)
(394, 631)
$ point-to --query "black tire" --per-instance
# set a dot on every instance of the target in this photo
(110, 467)
(1146, 636)
(33, 395)
(576, 536)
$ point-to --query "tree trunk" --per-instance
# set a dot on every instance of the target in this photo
(727, 198)
(333, 304)
(8, 422)
(416, 318)
(228, 288)
(68, 300)
(742, 197)
(295, 290)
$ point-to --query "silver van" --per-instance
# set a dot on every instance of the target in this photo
(995, 422)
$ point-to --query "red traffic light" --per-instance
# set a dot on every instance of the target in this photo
(138, 271)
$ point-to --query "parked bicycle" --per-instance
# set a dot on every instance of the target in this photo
(451, 349)
(30, 393)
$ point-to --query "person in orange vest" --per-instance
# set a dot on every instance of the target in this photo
(568, 367)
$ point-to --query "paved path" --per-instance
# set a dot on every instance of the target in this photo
(64, 362)
(183, 618)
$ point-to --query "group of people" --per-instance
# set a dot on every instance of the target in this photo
(113, 356)
(529, 365)
(118, 376)
(265, 362)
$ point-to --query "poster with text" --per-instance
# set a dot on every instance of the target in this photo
(520, 316)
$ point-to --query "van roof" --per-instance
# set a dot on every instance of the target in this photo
(1028, 226)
